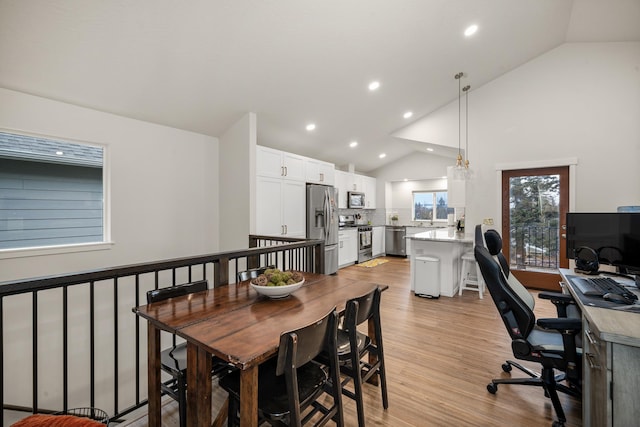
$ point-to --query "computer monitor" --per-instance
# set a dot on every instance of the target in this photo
(615, 236)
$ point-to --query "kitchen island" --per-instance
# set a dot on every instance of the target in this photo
(447, 246)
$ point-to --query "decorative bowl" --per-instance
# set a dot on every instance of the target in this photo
(276, 292)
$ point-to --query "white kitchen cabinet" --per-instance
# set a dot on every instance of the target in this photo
(280, 207)
(319, 172)
(341, 183)
(346, 182)
(412, 231)
(377, 241)
(369, 190)
(279, 164)
(347, 247)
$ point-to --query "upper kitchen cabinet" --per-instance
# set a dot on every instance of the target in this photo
(369, 190)
(279, 164)
(342, 184)
(319, 172)
(346, 182)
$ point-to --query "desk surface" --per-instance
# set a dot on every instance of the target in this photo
(615, 324)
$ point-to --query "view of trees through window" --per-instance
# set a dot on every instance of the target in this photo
(534, 220)
(430, 206)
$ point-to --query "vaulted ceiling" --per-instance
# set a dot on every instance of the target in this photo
(200, 65)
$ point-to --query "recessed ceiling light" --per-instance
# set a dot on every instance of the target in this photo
(382, 156)
(471, 30)
(59, 153)
(406, 179)
(374, 85)
(444, 177)
(353, 144)
(407, 114)
(311, 126)
(429, 149)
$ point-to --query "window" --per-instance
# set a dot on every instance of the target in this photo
(51, 192)
(430, 206)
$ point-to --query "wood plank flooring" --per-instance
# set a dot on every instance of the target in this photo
(440, 355)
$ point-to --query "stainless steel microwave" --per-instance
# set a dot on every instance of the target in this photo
(355, 200)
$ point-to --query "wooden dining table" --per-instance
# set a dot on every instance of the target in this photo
(240, 326)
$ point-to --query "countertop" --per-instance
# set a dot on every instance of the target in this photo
(448, 234)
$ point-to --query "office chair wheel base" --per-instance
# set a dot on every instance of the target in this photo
(492, 388)
(507, 367)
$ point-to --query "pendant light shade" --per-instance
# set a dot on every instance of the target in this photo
(461, 171)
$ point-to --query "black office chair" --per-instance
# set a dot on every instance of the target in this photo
(292, 386)
(354, 346)
(174, 359)
(550, 342)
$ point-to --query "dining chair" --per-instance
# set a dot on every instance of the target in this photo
(252, 273)
(354, 346)
(174, 359)
(292, 386)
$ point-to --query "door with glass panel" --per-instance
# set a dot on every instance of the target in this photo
(534, 207)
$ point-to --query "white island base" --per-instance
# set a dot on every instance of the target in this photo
(447, 246)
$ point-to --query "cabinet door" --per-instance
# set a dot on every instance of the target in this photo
(357, 183)
(343, 256)
(377, 244)
(293, 208)
(369, 185)
(327, 173)
(269, 162)
(293, 165)
(269, 206)
(342, 184)
(352, 246)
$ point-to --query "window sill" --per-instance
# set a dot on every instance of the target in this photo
(54, 250)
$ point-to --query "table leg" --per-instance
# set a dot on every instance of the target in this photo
(249, 397)
(153, 376)
(198, 387)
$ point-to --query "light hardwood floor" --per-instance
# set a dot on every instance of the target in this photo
(440, 356)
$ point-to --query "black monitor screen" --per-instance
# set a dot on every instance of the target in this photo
(614, 236)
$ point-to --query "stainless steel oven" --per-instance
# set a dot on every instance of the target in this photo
(364, 243)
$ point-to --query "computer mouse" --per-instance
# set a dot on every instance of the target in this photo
(618, 299)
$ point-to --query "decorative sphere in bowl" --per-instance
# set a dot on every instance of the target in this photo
(277, 291)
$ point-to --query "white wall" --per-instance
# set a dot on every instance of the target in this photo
(580, 100)
(237, 172)
(163, 185)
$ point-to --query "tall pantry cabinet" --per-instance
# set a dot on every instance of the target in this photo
(280, 192)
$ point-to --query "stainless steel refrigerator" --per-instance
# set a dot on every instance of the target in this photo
(322, 222)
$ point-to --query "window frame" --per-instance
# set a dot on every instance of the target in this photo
(434, 208)
(106, 242)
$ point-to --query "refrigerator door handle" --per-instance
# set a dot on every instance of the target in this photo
(327, 218)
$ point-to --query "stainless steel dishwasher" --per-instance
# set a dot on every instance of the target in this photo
(394, 238)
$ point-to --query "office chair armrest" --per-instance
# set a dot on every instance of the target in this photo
(563, 325)
(560, 300)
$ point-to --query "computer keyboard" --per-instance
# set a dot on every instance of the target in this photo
(599, 286)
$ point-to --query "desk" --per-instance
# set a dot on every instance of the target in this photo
(235, 324)
(611, 361)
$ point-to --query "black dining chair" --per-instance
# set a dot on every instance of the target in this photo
(252, 273)
(174, 359)
(292, 386)
(354, 347)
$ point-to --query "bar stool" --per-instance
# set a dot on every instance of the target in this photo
(470, 278)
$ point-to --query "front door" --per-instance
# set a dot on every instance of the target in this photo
(534, 207)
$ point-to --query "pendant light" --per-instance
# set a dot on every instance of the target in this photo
(459, 170)
(468, 171)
